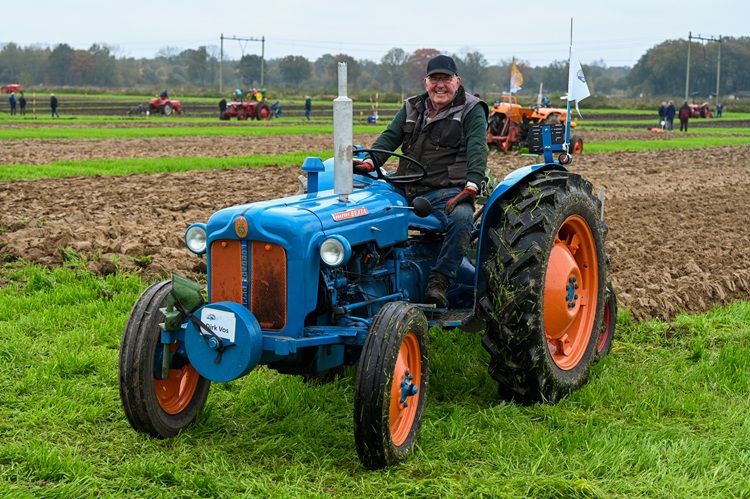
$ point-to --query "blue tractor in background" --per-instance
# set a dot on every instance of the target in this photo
(336, 275)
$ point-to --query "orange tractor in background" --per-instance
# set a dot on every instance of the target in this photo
(509, 122)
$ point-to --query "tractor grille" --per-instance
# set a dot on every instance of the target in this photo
(228, 274)
(254, 274)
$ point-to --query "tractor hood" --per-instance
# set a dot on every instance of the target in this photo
(376, 213)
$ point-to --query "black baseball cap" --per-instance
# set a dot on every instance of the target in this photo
(442, 64)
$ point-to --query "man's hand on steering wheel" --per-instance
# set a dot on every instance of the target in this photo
(363, 167)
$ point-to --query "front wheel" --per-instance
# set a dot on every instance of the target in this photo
(155, 406)
(576, 144)
(391, 385)
(546, 278)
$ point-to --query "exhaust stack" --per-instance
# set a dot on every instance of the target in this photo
(342, 140)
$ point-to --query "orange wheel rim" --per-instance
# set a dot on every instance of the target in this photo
(571, 292)
(175, 393)
(402, 418)
(577, 147)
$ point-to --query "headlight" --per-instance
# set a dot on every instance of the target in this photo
(335, 251)
(195, 238)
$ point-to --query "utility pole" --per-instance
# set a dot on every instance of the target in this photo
(718, 62)
(687, 76)
(262, 40)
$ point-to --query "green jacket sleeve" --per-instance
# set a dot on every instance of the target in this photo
(475, 132)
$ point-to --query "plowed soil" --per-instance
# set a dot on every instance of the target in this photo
(678, 219)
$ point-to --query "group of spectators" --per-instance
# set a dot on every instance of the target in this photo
(667, 113)
(20, 103)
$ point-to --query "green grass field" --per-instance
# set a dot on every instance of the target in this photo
(664, 415)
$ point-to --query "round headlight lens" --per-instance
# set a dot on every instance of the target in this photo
(332, 252)
(195, 239)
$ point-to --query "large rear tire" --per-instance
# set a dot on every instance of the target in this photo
(604, 344)
(391, 386)
(263, 111)
(155, 406)
(496, 123)
(546, 278)
(166, 109)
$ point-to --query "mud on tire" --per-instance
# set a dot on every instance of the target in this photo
(395, 353)
(546, 278)
(154, 406)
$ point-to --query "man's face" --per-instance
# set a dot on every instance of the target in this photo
(441, 88)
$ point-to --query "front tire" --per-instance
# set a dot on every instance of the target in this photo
(391, 386)
(576, 144)
(546, 278)
(155, 406)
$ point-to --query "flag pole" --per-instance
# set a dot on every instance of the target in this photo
(570, 90)
(510, 80)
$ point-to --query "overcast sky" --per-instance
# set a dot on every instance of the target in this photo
(537, 31)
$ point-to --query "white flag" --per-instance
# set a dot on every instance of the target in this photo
(577, 88)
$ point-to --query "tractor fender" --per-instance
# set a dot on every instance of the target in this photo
(492, 214)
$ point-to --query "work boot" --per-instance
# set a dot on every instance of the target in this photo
(436, 289)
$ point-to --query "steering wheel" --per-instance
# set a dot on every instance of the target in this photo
(392, 179)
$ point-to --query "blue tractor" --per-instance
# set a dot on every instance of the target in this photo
(336, 275)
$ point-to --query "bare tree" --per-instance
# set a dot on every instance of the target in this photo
(394, 65)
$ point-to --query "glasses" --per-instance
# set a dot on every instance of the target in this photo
(440, 79)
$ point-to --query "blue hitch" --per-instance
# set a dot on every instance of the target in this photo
(408, 389)
(571, 289)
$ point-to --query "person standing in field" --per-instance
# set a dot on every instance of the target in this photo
(53, 105)
(684, 116)
(308, 106)
(663, 115)
(12, 102)
(222, 107)
(22, 104)
(670, 113)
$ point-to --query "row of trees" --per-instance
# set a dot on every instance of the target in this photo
(660, 71)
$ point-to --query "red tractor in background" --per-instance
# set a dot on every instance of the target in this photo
(700, 110)
(12, 87)
(509, 122)
(165, 106)
(247, 111)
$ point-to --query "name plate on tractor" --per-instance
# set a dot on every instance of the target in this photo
(220, 322)
(231, 344)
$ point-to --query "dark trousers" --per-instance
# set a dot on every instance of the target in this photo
(683, 124)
